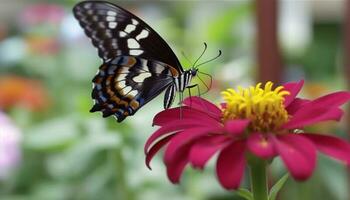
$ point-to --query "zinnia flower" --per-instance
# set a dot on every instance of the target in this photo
(258, 121)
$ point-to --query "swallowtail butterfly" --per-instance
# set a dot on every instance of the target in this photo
(137, 63)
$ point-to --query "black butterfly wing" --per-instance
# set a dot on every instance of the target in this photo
(115, 32)
(126, 83)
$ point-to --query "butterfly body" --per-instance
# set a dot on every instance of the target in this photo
(137, 63)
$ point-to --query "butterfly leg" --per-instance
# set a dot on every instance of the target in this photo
(190, 96)
(181, 98)
(189, 92)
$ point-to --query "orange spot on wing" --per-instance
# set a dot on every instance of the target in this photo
(131, 61)
(124, 103)
(103, 67)
(98, 80)
(115, 99)
(134, 104)
(173, 71)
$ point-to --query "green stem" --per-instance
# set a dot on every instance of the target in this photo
(258, 179)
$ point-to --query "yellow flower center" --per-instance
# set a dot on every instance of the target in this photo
(262, 106)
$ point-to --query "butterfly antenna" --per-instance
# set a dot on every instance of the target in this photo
(210, 59)
(184, 55)
(205, 48)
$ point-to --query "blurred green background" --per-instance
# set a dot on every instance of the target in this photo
(52, 148)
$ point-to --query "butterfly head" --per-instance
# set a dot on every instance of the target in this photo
(194, 71)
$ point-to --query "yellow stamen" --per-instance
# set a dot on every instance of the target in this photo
(262, 105)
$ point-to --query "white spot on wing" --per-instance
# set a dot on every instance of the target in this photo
(124, 70)
(112, 25)
(122, 34)
(111, 13)
(121, 84)
(133, 44)
(87, 5)
(135, 52)
(125, 90)
(129, 28)
(142, 35)
(159, 69)
(141, 77)
(110, 18)
(144, 64)
(121, 77)
(134, 21)
(133, 93)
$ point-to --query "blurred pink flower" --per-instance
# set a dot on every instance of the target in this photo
(10, 138)
(41, 13)
(263, 122)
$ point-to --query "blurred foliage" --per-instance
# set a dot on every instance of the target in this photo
(68, 153)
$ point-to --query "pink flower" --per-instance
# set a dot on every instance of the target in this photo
(41, 13)
(260, 122)
(10, 138)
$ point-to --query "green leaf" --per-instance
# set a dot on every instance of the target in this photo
(52, 135)
(231, 16)
(277, 187)
(245, 193)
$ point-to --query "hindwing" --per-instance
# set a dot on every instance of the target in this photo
(126, 83)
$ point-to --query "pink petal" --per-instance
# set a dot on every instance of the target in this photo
(331, 146)
(203, 105)
(296, 105)
(236, 127)
(155, 148)
(331, 100)
(293, 88)
(183, 138)
(178, 113)
(261, 146)
(205, 148)
(230, 165)
(297, 153)
(170, 127)
(177, 164)
(308, 116)
(321, 109)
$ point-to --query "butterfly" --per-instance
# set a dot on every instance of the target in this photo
(138, 64)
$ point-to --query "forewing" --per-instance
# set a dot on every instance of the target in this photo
(115, 31)
(126, 83)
